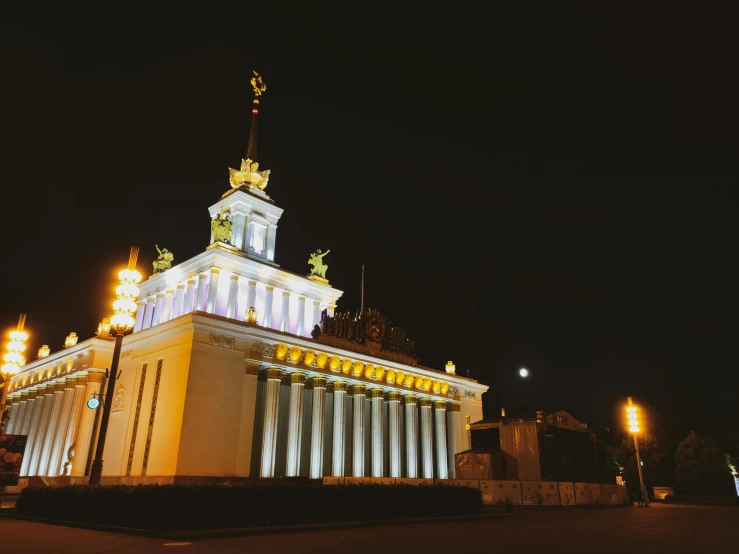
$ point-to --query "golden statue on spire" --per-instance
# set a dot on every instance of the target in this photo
(258, 85)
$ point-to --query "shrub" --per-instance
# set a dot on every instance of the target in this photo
(185, 507)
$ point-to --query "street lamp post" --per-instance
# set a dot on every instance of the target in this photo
(13, 359)
(631, 414)
(120, 324)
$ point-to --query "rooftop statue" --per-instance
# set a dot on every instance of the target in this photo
(164, 261)
(249, 175)
(258, 86)
(316, 260)
(222, 228)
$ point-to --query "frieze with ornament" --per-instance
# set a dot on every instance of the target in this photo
(223, 341)
(469, 394)
(266, 350)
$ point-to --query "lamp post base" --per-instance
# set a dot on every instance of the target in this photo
(96, 472)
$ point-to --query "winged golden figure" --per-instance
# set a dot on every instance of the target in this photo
(249, 175)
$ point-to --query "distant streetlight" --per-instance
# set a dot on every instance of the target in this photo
(633, 419)
(523, 372)
(120, 324)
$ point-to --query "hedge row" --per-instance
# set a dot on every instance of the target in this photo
(185, 507)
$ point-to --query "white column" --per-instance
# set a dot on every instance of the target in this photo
(317, 430)
(251, 295)
(75, 418)
(158, 309)
(338, 439)
(307, 432)
(200, 294)
(427, 436)
(411, 438)
(168, 305)
(38, 405)
(19, 412)
(269, 436)
(179, 299)
(233, 294)
(295, 426)
(52, 427)
(238, 219)
(271, 238)
(331, 309)
(148, 312)
(266, 316)
(10, 404)
(300, 331)
(187, 307)
(87, 421)
(358, 431)
(452, 413)
(285, 315)
(377, 397)
(55, 461)
(42, 427)
(316, 316)
(283, 423)
(139, 322)
(393, 427)
(442, 458)
(213, 290)
(29, 414)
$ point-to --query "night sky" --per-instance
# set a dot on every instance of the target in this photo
(549, 188)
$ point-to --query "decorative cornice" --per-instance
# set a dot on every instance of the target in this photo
(297, 378)
(252, 368)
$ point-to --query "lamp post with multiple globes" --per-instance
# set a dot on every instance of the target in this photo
(634, 429)
(13, 359)
(120, 324)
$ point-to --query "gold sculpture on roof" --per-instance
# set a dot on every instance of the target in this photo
(259, 86)
(316, 260)
(249, 175)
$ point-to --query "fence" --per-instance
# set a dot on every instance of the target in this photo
(518, 493)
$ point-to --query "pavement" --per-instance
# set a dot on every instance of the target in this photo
(659, 528)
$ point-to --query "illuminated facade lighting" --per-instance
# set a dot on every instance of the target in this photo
(451, 368)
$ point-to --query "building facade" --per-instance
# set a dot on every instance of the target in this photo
(239, 368)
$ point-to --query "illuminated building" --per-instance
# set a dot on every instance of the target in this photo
(226, 375)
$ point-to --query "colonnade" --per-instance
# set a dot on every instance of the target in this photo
(314, 428)
(58, 425)
(200, 293)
